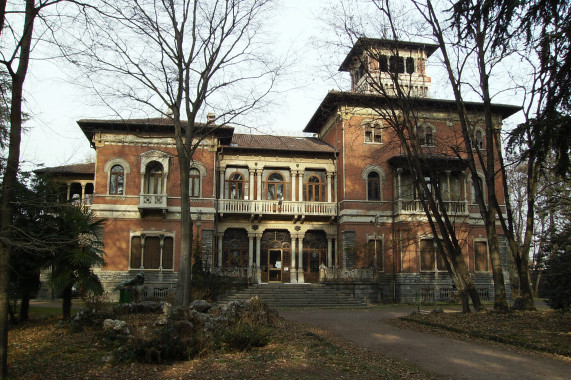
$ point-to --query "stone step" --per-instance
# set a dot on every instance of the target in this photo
(296, 295)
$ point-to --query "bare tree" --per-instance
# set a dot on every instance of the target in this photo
(179, 59)
(397, 100)
(18, 36)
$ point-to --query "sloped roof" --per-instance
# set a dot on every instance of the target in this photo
(74, 169)
(151, 125)
(279, 143)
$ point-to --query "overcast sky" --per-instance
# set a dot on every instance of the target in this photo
(53, 137)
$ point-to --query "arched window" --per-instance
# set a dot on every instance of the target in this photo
(117, 180)
(154, 178)
(194, 179)
(314, 189)
(275, 186)
(373, 186)
(480, 186)
(236, 186)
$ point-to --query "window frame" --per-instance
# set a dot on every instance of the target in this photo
(163, 257)
(478, 241)
(318, 189)
(114, 177)
(438, 264)
(195, 188)
(372, 132)
(158, 178)
(241, 186)
(422, 135)
(276, 185)
(126, 170)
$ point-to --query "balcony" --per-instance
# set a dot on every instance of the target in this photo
(153, 202)
(404, 206)
(266, 207)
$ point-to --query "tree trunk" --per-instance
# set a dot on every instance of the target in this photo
(500, 301)
(10, 178)
(66, 302)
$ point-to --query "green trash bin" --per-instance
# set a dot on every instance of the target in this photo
(124, 296)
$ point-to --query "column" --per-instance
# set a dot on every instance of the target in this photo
(329, 175)
(250, 254)
(220, 239)
(300, 278)
(293, 269)
(399, 172)
(329, 251)
(68, 192)
(293, 175)
(259, 186)
(448, 189)
(258, 257)
(221, 181)
(300, 193)
(83, 193)
(251, 184)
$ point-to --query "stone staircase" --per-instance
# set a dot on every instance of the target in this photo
(296, 295)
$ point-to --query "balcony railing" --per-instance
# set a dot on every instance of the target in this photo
(261, 207)
(153, 201)
(415, 207)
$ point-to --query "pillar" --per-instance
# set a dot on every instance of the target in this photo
(329, 175)
(250, 254)
(258, 257)
(259, 184)
(293, 269)
(329, 251)
(300, 277)
(293, 175)
(220, 240)
(221, 181)
(300, 192)
(251, 184)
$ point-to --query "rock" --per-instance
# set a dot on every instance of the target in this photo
(436, 311)
(107, 359)
(116, 325)
(161, 321)
(180, 313)
(201, 306)
(167, 308)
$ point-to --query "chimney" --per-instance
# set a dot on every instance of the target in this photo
(210, 118)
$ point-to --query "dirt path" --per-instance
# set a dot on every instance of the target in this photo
(448, 358)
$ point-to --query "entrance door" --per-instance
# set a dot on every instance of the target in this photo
(275, 265)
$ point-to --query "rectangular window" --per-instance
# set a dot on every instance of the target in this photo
(410, 65)
(194, 186)
(136, 252)
(427, 255)
(481, 256)
(396, 64)
(383, 65)
(152, 255)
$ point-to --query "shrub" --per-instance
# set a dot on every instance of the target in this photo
(244, 336)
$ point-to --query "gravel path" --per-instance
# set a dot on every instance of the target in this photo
(448, 358)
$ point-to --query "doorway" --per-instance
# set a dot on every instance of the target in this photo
(275, 265)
